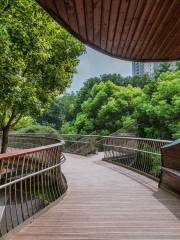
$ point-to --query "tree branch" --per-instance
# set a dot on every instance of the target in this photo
(3, 117)
(13, 115)
(17, 120)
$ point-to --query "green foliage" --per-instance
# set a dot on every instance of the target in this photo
(158, 113)
(163, 67)
(178, 65)
(156, 166)
(117, 79)
(37, 60)
(59, 111)
(84, 124)
(68, 127)
(24, 122)
(107, 107)
(37, 128)
(129, 124)
(175, 129)
(149, 109)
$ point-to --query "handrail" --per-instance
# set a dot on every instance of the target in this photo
(30, 179)
(80, 144)
(138, 138)
(30, 175)
(110, 136)
(131, 149)
(81, 135)
(139, 154)
(29, 150)
(74, 141)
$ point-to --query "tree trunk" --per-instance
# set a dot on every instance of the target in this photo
(4, 143)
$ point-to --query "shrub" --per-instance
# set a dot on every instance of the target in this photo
(24, 123)
(37, 128)
(68, 128)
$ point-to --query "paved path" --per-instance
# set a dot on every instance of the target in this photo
(105, 201)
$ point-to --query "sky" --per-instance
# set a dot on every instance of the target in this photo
(94, 64)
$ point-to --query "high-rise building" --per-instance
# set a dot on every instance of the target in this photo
(149, 68)
(140, 68)
(137, 68)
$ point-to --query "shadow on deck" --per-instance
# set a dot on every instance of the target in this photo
(105, 201)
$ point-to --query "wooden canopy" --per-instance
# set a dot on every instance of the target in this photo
(141, 30)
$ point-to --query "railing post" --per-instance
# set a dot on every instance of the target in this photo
(170, 173)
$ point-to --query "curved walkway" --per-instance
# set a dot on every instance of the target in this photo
(105, 201)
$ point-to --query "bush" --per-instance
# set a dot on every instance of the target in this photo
(24, 123)
(68, 128)
(37, 128)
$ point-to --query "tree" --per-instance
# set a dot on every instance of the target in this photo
(150, 111)
(68, 127)
(117, 79)
(37, 61)
(138, 81)
(61, 110)
(107, 108)
(84, 123)
(158, 113)
(178, 65)
(163, 67)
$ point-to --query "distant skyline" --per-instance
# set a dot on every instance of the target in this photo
(94, 64)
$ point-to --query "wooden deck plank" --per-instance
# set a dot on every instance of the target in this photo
(105, 201)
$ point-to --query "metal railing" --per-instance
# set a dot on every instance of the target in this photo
(26, 141)
(30, 179)
(139, 154)
(80, 144)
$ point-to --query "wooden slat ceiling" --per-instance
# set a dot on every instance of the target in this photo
(141, 30)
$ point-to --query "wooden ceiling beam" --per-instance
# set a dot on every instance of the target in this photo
(79, 6)
(120, 25)
(115, 6)
(141, 27)
(172, 47)
(61, 9)
(97, 21)
(159, 25)
(146, 31)
(89, 19)
(133, 27)
(106, 6)
(164, 38)
(141, 30)
(129, 19)
(71, 13)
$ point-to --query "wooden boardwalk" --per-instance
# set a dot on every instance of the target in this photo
(105, 201)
